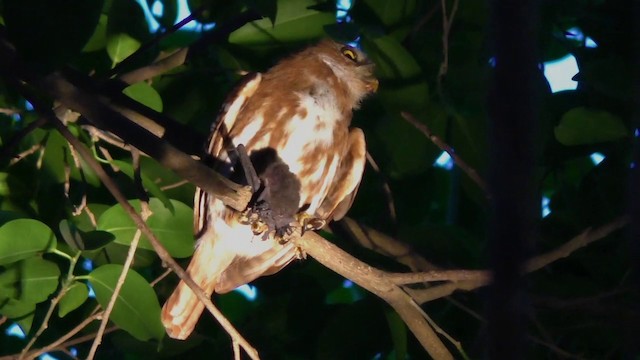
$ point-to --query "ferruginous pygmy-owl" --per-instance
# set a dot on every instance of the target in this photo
(296, 115)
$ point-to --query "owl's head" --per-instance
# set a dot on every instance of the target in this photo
(351, 65)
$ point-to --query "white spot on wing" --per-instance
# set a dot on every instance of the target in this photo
(249, 132)
(325, 186)
(321, 118)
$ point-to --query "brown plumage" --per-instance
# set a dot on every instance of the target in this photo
(301, 109)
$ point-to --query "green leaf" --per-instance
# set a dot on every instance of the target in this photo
(581, 126)
(144, 94)
(56, 157)
(14, 308)
(23, 238)
(392, 59)
(84, 222)
(99, 38)
(9, 283)
(115, 253)
(97, 239)
(76, 295)
(71, 235)
(26, 321)
(38, 279)
(136, 310)
(392, 11)
(398, 331)
(173, 229)
(127, 17)
(294, 22)
(120, 46)
(23, 285)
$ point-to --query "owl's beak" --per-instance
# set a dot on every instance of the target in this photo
(372, 85)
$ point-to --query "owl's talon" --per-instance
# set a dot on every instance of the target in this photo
(300, 254)
(258, 227)
(309, 223)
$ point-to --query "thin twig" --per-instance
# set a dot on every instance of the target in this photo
(160, 66)
(538, 262)
(158, 247)
(159, 278)
(9, 111)
(447, 22)
(387, 189)
(67, 282)
(470, 171)
(153, 42)
(114, 297)
(8, 149)
(174, 185)
(35, 353)
(386, 245)
(34, 148)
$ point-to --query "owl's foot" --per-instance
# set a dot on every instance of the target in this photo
(309, 223)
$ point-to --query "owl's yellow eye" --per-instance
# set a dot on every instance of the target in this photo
(347, 52)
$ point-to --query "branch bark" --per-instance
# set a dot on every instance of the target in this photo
(378, 283)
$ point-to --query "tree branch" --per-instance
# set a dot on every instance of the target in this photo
(470, 171)
(158, 247)
(97, 109)
(480, 279)
(375, 281)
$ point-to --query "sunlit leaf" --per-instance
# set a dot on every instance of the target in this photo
(173, 229)
(136, 310)
(144, 94)
(121, 46)
(294, 22)
(99, 38)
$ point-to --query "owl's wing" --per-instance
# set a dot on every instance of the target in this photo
(219, 139)
(213, 254)
(345, 184)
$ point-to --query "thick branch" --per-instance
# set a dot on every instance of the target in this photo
(158, 247)
(106, 117)
(379, 284)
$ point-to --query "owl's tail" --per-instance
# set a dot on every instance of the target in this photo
(182, 310)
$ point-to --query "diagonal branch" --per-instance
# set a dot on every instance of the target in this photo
(470, 171)
(158, 247)
(375, 281)
(583, 239)
(107, 117)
